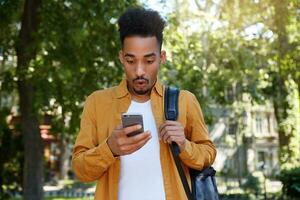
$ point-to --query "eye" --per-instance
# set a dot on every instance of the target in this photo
(129, 61)
(150, 61)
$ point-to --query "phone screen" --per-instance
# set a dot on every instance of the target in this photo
(131, 119)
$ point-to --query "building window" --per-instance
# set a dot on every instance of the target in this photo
(229, 94)
(261, 159)
(269, 123)
(259, 124)
(232, 128)
(271, 157)
(261, 156)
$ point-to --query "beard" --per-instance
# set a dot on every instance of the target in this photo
(141, 91)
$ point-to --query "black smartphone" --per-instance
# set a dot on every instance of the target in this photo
(130, 119)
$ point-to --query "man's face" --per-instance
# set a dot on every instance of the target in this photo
(141, 57)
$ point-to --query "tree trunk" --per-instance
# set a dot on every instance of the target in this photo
(65, 154)
(281, 89)
(33, 146)
(26, 49)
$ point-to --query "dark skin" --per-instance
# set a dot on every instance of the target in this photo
(141, 57)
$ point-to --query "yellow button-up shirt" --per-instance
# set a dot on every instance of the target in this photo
(94, 161)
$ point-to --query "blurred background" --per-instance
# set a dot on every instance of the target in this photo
(239, 57)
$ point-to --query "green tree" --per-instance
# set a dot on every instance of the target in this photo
(285, 84)
(250, 47)
(64, 50)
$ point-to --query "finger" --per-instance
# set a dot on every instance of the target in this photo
(165, 136)
(122, 138)
(118, 131)
(163, 132)
(172, 122)
(169, 123)
(168, 134)
(131, 129)
(162, 126)
(174, 138)
(139, 137)
(172, 128)
(168, 128)
(134, 147)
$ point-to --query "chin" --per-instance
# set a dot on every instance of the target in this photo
(141, 92)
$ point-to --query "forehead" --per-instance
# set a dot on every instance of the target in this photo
(139, 46)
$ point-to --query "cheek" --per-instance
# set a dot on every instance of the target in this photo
(152, 73)
(154, 70)
(128, 71)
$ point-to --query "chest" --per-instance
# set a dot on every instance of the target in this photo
(108, 115)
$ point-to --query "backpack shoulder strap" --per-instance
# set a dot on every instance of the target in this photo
(171, 103)
(171, 113)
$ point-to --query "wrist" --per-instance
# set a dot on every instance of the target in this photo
(108, 141)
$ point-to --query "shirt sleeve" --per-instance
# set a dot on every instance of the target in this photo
(90, 159)
(199, 151)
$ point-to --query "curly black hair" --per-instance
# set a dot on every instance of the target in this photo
(141, 22)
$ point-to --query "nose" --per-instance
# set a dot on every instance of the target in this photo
(140, 69)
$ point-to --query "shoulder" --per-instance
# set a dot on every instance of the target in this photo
(186, 95)
(188, 99)
(102, 96)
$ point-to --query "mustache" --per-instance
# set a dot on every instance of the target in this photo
(140, 78)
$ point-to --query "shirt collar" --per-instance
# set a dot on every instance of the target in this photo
(122, 90)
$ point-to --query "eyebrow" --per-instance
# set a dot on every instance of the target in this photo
(146, 56)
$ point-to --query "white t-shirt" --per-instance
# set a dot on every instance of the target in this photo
(141, 174)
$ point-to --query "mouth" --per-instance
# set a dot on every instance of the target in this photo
(141, 83)
(140, 86)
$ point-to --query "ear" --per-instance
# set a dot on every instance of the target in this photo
(163, 57)
(121, 56)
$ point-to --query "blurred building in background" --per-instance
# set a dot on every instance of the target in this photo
(246, 139)
(57, 152)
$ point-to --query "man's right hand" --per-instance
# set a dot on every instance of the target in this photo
(120, 144)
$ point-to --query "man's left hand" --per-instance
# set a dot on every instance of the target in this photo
(172, 131)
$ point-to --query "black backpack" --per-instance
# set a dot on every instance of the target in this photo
(204, 185)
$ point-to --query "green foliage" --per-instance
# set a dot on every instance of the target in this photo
(60, 198)
(252, 184)
(251, 52)
(235, 196)
(77, 57)
(291, 182)
(11, 158)
(210, 62)
(77, 46)
(209, 48)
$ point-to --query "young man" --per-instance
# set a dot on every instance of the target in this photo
(140, 167)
